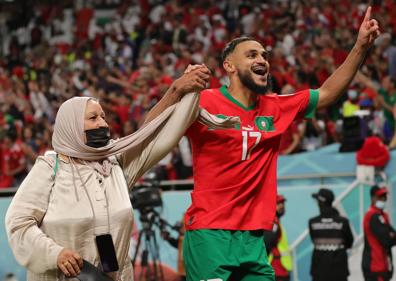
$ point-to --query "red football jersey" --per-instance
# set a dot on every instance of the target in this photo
(235, 169)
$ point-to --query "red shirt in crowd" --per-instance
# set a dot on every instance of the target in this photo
(11, 159)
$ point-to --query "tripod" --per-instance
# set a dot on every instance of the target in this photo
(150, 248)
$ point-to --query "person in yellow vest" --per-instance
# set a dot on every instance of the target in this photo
(351, 105)
(277, 245)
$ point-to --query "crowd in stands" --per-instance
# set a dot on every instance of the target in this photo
(126, 53)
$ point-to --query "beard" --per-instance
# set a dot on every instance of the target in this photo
(248, 81)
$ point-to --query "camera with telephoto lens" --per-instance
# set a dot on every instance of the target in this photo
(148, 196)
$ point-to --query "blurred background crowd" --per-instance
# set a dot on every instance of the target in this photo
(126, 53)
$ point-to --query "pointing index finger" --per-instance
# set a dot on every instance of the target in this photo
(367, 16)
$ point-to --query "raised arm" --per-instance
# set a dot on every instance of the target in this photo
(190, 82)
(135, 164)
(339, 81)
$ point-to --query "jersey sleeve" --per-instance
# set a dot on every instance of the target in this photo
(299, 105)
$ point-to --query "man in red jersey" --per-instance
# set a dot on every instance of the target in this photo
(234, 196)
(379, 238)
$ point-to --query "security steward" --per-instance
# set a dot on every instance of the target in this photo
(379, 238)
(331, 235)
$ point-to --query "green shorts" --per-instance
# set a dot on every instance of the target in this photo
(225, 255)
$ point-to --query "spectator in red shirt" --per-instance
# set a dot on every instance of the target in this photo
(13, 162)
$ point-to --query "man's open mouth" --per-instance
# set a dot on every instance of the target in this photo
(259, 70)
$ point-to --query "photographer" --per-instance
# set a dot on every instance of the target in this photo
(146, 256)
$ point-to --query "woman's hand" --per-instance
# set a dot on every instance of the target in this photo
(69, 262)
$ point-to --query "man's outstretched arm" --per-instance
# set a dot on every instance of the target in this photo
(339, 81)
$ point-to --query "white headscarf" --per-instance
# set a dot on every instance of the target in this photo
(68, 136)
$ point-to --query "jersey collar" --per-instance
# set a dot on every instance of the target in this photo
(227, 95)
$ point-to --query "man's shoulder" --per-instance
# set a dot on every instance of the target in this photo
(296, 93)
(283, 97)
(376, 219)
(314, 219)
(269, 96)
(379, 215)
(209, 97)
(370, 213)
(210, 92)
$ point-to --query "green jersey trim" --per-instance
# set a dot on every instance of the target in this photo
(228, 96)
(313, 103)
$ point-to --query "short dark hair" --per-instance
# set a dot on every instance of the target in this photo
(230, 47)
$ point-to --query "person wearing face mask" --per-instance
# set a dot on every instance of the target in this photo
(74, 206)
(331, 236)
(379, 238)
(351, 105)
(277, 244)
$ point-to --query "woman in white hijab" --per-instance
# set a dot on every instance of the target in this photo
(68, 204)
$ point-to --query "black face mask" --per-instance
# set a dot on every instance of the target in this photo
(98, 137)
